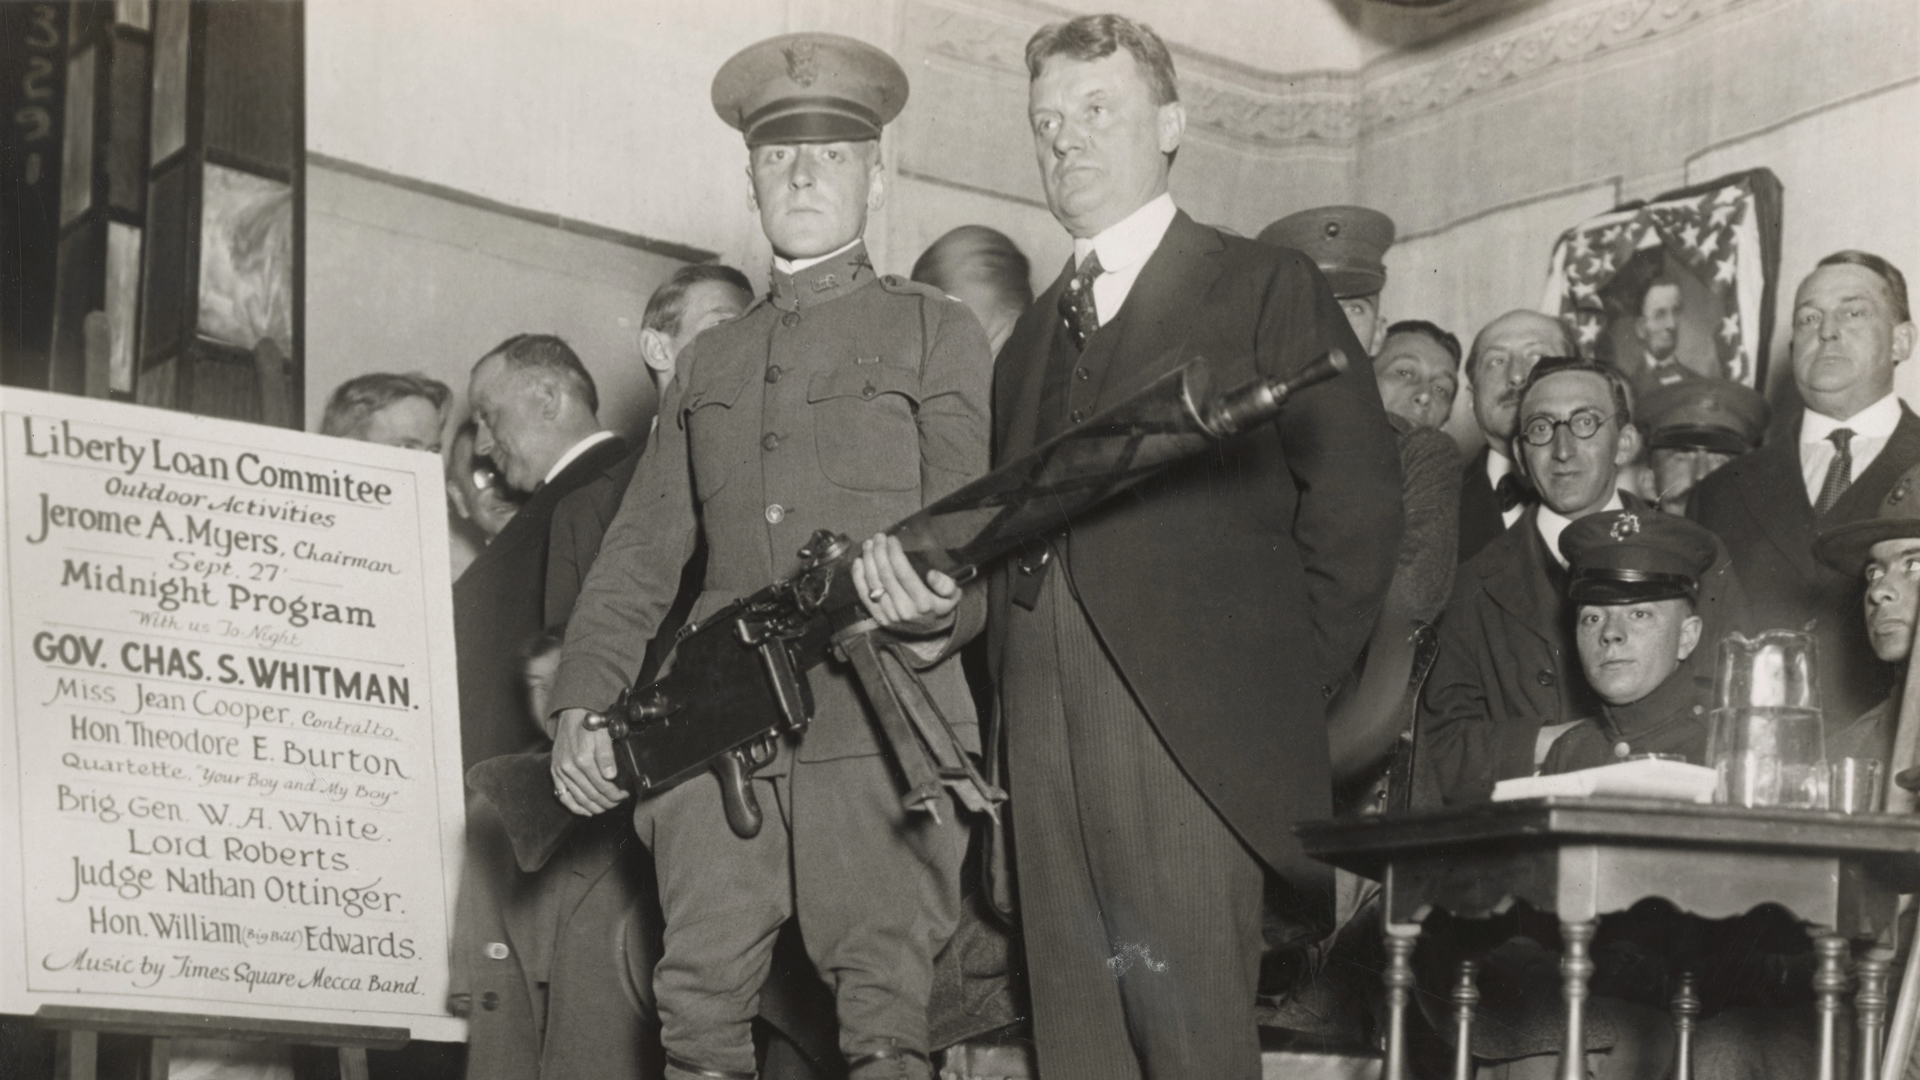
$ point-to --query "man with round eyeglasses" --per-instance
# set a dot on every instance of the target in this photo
(1507, 679)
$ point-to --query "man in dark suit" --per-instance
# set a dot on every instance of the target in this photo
(1492, 494)
(534, 403)
(1506, 680)
(1834, 464)
(1161, 664)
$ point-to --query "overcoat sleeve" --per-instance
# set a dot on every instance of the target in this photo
(1345, 462)
(1456, 734)
(637, 574)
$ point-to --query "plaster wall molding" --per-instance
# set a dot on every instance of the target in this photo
(1391, 96)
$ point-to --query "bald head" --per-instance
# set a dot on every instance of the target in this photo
(1503, 356)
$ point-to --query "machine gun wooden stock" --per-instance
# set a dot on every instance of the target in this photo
(737, 682)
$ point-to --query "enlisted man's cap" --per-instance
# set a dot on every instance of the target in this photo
(809, 88)
(1633, 556)
(1845, 547)
(1346, 242)
(1705, 414)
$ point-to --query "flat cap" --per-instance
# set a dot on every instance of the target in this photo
(1705, 414)
(1346, 242)
(809, 88)
(1633, 556)
(1845, 547)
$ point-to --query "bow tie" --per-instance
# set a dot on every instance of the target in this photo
(1513, 492)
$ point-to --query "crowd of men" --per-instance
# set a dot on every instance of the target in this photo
(1166, 686)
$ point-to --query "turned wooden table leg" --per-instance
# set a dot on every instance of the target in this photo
(1575, 969)
(1399, 983)
(1686, 1018)
(1829, 982)
(1870, 1009)
(1466, 994)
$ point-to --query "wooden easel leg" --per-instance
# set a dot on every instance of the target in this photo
(160, 1059)
(1686, 1017)
(1466, 995)
(1870, 1009)
(1575, 969)
(76, 1055)
(1829, 982)
(1399, 982)
(353, 1063)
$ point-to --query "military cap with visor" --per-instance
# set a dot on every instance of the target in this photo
(1347, 243)
(1635, 556)
(809, 88)
(1846, 547)
(1720, 415)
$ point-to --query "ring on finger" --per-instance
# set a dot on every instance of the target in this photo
(876, 595)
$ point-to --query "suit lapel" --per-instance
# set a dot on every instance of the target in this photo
(1160, 308)
(1522, 586)
(1776, 498)
(1021, 370)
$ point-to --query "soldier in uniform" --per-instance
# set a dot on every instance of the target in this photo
(1696, 426)
(846, 401)
(1885, 550)
(1635, 577)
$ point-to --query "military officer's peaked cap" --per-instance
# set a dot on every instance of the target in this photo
(1346, 242)
(1845, 547)
(1633, 556)
(1705, 414)
(809, 88)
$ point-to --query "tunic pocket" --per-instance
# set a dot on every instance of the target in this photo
(866, 433)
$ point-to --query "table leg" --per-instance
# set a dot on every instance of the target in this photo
(353, 1063)
(1870, 1008)
(160, 1059)
(76, 1055)
(1466, 994)
(1575, 969)
(1686, 1014)
(1829, 982)
(1399, 983)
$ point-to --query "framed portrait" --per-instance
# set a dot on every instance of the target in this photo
(1679, 287)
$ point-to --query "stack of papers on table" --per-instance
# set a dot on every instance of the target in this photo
(1649, 779)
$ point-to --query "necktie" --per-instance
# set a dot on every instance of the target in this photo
(1839, 473)
(1077, 308)
(1512, 491)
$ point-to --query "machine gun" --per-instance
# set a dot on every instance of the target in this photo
(737, 683)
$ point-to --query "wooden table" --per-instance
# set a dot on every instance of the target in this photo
(1584, 858)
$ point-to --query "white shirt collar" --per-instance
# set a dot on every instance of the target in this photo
(1498, 464)
(1127, 243)
(794, 266)
(578, 448)
(1876, 421)
(1552, 523)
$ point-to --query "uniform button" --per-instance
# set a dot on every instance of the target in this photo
(770, 442)
(776, 514)
(791, 318)
(1082, 374)
(496, 950)
(868, 391)
(1545, 678)
(490, 1001)
(774, 373)
(1078, 415)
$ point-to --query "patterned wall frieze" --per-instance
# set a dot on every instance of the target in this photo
(1254, 108)
(1394, 95)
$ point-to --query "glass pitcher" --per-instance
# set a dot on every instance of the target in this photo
(1765, 740)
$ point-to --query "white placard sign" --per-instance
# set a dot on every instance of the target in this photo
(229, 738)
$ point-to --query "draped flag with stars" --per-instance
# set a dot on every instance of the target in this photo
(1726, 234)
